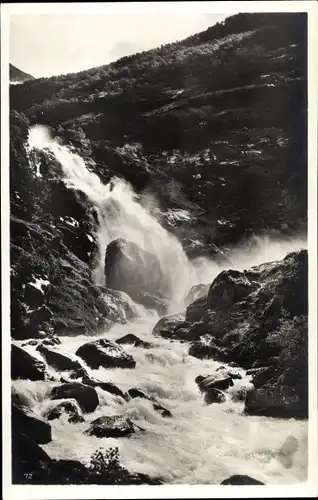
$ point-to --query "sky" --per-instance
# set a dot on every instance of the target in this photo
(46, 45)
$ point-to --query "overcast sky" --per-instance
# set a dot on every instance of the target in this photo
(46, 45)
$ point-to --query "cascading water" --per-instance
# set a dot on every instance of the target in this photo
(201, 444)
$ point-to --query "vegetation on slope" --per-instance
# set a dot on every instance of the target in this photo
(214, 124)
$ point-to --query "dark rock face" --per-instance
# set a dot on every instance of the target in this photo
(229, 287)
(114, 426)
(25, 421)
(167, 326)
(105, 353)
(276, 401)
(137, 393)
(25, 366)
(196, 292)
(68, 406)
(133, 270)
(241, 480)
(258, 320)
(85, 395)
(196, 310)
(132, 339)
(59, 361)
(218, 380)
(214, 396)
(105, 386)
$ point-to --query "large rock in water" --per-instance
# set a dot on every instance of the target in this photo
(33, 426)
(114, 426)
(85, 395)
(137, 393)
(59, 361)
(70, 407)
(242, 480)
(277, 401)
(135, 271)
(167, 326)
(217, 380)
(25, 366)
(229, 287)
(105, 353)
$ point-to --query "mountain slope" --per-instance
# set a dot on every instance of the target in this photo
(214, 125)
(16, 75)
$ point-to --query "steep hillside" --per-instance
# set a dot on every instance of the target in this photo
(16, 75)
(214, 125)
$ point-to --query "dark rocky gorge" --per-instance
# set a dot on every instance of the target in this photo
(117, 338)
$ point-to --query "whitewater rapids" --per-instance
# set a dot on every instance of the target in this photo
(201, 444)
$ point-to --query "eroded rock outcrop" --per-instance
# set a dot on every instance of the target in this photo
(137, 272)
(105, 353)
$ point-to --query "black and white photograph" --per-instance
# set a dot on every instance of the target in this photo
(158, 328)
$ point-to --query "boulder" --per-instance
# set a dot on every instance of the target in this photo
(135, 271)
(196, 292)
(229, 286)
(85, 395)
(263, 376)
(27, 458)
(57, 360)
(217, 380)
(167, 325)
(196, 310)
(105, 386)
(51, 341)
(105, 353)
(214, 396)
(241, 480)
(25, 421)
(111, 426)
(234, 374)
(137, 393)
(132, 339)
(206, 347)
(25, 366)
(69, 406)
(277, 401)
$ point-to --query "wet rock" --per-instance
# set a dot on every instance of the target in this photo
(114, 426)
(32, 342)
(25, 366)
(57, 360)
(263, 376)
(70, 407)
(51, 341)
(167, 325)
(196, 310)
(234, 374)
(135, 271)
(105, 353)
(276, 401)
(105, 386)
(27, 458)
(217, 380)
(132, 339)
(196, 292)
(214, 396)
(85, 395)
(27, 422)
(33, 296)
(206, 347)
(229, 287)
(241, 480)
(137, 393)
